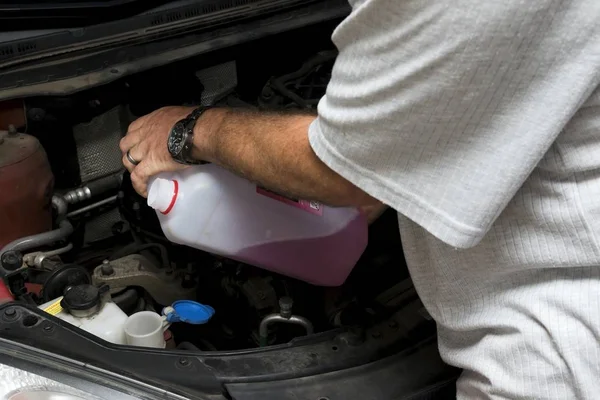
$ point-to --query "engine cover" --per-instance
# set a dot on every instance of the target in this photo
(26, 183)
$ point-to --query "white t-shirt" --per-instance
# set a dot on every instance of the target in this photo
(479, 122)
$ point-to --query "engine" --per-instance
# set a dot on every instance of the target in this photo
(80, 243)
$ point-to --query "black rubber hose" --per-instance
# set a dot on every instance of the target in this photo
(105, 184)
(192, 347)
(126, 300)
(187, 346)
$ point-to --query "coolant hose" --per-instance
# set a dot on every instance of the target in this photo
(126, 300)
(42, 239)
(94, 188)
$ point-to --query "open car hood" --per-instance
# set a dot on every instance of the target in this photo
(63, 61)
(70, 13)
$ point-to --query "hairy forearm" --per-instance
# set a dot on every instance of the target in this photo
(273, 151)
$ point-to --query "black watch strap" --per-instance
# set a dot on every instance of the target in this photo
(189, 122)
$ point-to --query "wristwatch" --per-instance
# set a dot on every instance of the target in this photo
(181, 139)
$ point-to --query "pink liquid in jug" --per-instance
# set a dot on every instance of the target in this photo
(211, 209)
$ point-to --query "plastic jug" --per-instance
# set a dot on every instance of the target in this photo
(211, 209)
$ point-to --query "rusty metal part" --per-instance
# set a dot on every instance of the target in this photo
(25, 202)
(137, 270)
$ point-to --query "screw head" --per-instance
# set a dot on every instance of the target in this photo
(37, 114)
(350, 338)
(11, 312)
(12, 260)
(184, 362)
(286, 303)
(106, 268)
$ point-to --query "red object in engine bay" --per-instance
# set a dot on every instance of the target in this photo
(5, 295)
(26, 184)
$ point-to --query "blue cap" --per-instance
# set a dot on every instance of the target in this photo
(189, 312)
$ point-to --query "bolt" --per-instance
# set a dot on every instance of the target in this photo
(48, 328)
(285, 306)
(106, 268)
(376, 334)
(184, 362)
(10, 312)
(350, 338)
(12, 130)
(11, 260)
(37, 114)
(267, 92)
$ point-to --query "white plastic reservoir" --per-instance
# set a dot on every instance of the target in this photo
(107, 323)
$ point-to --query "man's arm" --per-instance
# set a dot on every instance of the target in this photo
(269, 149)
(273, 150)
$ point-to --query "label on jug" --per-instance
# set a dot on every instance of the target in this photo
(313, 207)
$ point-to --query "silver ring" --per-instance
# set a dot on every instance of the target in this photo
(131, 159)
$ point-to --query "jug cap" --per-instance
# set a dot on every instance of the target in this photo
(162, 194)
(188, 311)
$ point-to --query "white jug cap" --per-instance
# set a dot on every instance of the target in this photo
(162, 194)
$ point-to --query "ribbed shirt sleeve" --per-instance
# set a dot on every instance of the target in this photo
(441, 109)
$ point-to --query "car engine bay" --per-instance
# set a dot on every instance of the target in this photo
(76, 221)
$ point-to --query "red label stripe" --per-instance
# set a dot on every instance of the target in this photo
(173, 199)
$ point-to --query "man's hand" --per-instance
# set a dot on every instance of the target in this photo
(269, 149)
(146, 141)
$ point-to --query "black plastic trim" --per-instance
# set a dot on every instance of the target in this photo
(415, 374)
(207, 372)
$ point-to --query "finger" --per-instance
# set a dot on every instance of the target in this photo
(135, 125)
(128, 165)
(138, 123)
(139, 180)
(130, 140)
(138, 153)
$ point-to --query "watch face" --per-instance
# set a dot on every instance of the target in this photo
(177, 139)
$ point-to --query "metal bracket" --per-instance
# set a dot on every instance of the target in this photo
(136, 270)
